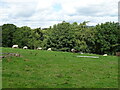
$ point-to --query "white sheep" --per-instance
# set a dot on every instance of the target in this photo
(39, 48)
(15, 46)
(25, 47)
(49, 49)
(72, 50)
(105, 55)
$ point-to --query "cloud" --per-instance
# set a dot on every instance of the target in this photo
(45, 13)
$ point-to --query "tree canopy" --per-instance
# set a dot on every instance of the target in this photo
(100, 39)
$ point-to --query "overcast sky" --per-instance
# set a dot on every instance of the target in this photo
(45, 13)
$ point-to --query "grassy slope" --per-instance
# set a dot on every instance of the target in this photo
(0, 69)
(51, 69)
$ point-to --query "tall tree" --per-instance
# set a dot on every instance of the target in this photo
(7, 34)
(106, 37)
(22, 36)
(36, 38)
(61, 37)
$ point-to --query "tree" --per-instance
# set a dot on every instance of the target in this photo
(106, 37)
(7, 34)
(35, 38)
(60, 37)
(22, 36)
(84, 37)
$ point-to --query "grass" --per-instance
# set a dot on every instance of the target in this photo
(0, 69)
(51, 69)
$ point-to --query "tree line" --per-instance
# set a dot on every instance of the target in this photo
(64, 36)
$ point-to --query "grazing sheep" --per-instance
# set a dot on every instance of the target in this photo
(49, 49)
(15, 46)
(105, 55)
(39, 48)
(25, 47)
(73, 50)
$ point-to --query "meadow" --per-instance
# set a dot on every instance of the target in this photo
(52, 69)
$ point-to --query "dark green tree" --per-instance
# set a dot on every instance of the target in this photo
(7, 34)
(22, 36)
(61, 37)
(107, 36)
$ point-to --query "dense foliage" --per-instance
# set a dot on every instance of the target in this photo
(100, 39)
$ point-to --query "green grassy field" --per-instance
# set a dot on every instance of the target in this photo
(51, 69)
